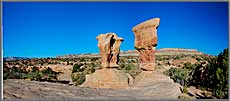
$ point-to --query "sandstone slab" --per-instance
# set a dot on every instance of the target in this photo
(108, 78)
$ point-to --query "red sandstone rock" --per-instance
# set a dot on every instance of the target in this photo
(146, 42)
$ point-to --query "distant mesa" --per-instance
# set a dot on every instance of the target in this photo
(162, 51)
(14, 58)
(177, 49)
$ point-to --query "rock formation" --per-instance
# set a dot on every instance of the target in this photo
(109, 45)
(146, 42)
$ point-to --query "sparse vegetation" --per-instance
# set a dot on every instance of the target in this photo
(78, 78)
(178, 75)
(79, 71)
(132, 69)
(211, 75)
(34, 74)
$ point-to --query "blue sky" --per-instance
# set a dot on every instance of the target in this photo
(48, 29)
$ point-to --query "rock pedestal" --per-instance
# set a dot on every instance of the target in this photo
(146, 42)
(108, 78)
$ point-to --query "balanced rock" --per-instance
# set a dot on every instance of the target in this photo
(109, 46)
(110, 78)
(146, 42)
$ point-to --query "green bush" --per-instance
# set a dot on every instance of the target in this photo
(198, 59)
(78, 78)
(131, 69)
(76, 68)
(88, 70)
(214, 75)
(94, 59)
(178, 75)
(5, 73)
(48, 74)
(188, 65)
(34, 69)
(78, 74)
(37, 76)
(12, 73)
(185, 89)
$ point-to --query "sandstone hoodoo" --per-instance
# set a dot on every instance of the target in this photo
(109, 45)
(146, 41)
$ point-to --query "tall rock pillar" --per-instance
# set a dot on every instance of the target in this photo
(146, 42)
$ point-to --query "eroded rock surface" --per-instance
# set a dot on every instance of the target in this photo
(158, 83)
(159, 87)
(109, 45)
(146, 42)
(108, 78)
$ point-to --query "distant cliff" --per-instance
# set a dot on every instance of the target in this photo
(162, 51)
(14, 58)
(177, 51)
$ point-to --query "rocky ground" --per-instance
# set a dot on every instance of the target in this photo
(160, 87)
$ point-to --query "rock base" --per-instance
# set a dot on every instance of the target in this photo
(147, 66)
(108, 78)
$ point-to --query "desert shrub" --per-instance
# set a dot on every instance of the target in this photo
(82, 60)
(178, 75)
(185, 89)
(34, 69)
(88, 70)
(94, 59)
(76, 68)
(198, 59)
(47, 71)
(78, 78)
(131, 69)
(189, 66)
(78, 74)
(36, 75)
(121, 66)
(5, 73)
(214, 75)
(177, 57)
(48, 74)
(13, 73)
